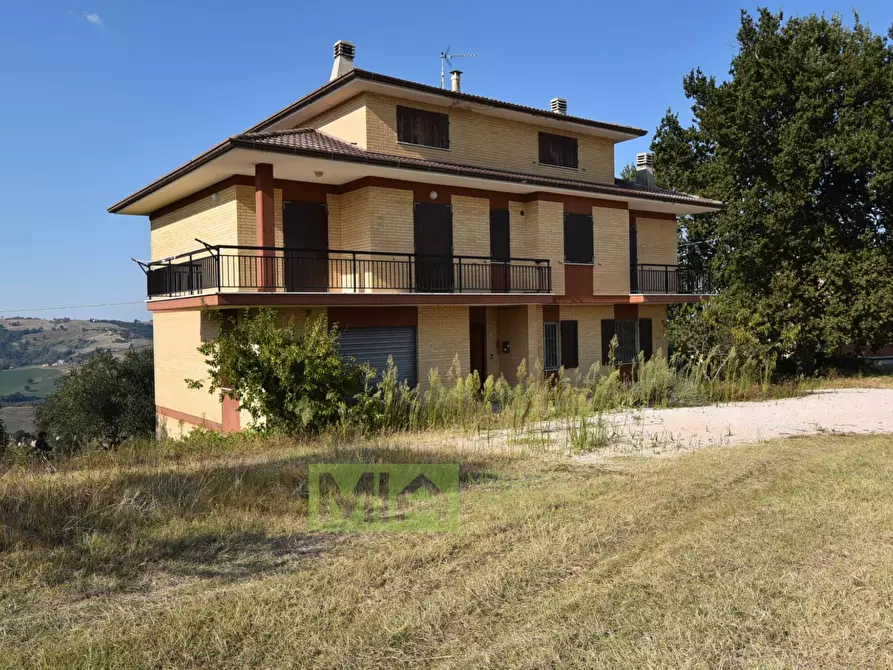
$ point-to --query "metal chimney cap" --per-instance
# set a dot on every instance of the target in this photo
(558, 105)
(345, 49)
(645, 160)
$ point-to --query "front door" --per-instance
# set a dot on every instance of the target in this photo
(433, 227)
(500, 252)
(305, 232)
(477, 338)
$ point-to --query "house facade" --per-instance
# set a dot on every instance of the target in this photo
(427, 223)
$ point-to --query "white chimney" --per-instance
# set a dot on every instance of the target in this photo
(344, 53)
(456, 81)
(645, 169)
(558, 105)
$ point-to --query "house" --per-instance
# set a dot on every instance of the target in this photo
(427, 223)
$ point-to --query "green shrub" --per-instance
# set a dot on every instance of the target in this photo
(104, 401)
(288, 381)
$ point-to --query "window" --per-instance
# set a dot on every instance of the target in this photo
(578, 245)
(416, 126)
(558, 150)
(551, 346)
(632, 335)
(570, 357)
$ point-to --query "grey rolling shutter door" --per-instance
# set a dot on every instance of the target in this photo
(374, 345)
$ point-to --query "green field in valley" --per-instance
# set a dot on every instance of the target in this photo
(42, 381)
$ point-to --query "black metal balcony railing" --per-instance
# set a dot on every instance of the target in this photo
(669, 279)
(244, 268)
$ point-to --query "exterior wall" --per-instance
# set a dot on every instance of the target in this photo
(442, 334)
(177, 337)
(518, 233)
(471, 226)
(611, 273)
(391, 220)
(346, 121)
(246, 220)
(545, 237)
(658, 316)
(215, 222)
(656, 241)
(522, 326)
(486, 141)
(589, 331)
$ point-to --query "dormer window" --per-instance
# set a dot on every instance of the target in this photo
(417, 126)
(558, 150)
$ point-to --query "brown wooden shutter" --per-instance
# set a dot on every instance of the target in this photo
(646, 343)
(578, 238)
(570, 357)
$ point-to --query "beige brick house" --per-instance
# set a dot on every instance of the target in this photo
(426, 223)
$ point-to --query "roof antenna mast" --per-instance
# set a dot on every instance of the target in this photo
(445, 59)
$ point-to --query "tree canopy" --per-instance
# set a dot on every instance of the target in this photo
(798, 141)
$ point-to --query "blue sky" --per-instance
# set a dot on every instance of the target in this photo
(99, 97)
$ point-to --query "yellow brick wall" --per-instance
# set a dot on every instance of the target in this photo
(214, 222)
(177, 336)
(245, 217)
(545, 237)
(346, 121)
(522, 326)
(611, 273)
(442, 334)
(589, 331)
(656, 241)
(487, 141)
(658, 316)
(518, 230)
(471, 226)
(391, 220)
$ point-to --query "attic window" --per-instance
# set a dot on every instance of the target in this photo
(558, 150)
(417, 126)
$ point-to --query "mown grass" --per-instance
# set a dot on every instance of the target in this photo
(197, 555)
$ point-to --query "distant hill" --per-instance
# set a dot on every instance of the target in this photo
(34, 352)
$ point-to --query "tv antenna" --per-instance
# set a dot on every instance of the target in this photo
(445, 59)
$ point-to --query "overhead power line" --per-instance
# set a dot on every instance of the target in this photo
(47, 309)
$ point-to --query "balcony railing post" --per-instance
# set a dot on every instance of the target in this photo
(460, 274)
(219, 271)
(409, 273)
(356, 283)
(666, 278)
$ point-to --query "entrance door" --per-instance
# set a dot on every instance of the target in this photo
(500, 252)
(633, 258)
(305, 232)
(433, 227)
(477, 338)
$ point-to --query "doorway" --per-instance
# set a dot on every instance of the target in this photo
(305, 233)
(433, 228)
(477, 339)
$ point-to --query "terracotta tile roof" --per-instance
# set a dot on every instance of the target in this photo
(312, 142)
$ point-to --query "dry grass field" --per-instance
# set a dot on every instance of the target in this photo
(197, 555)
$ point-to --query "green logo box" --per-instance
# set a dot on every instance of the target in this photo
(352, 497)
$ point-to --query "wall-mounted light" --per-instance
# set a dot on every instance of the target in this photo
(319, 173)
(215, 197)
(433, 195)
(522, 212)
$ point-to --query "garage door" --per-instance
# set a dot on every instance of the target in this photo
(374, 345)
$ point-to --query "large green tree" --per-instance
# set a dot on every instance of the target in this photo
(798, 141)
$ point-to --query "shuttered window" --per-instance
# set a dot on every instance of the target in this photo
(551, 352)
(570, 357)
(558, 150)
(632, 337)
(417, 126)
(578, 243)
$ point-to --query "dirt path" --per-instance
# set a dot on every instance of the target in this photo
(667, 431)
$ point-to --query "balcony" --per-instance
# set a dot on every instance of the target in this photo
(224, 268)
(669, 280)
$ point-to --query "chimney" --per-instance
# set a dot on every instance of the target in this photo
(344, 53)
(559, 106)
(456, 81)
(645, 169)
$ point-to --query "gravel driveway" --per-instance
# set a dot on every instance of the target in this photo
(666, 431)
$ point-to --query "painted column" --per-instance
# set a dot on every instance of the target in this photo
(263, 207)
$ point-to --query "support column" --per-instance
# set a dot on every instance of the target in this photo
(266, 223)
